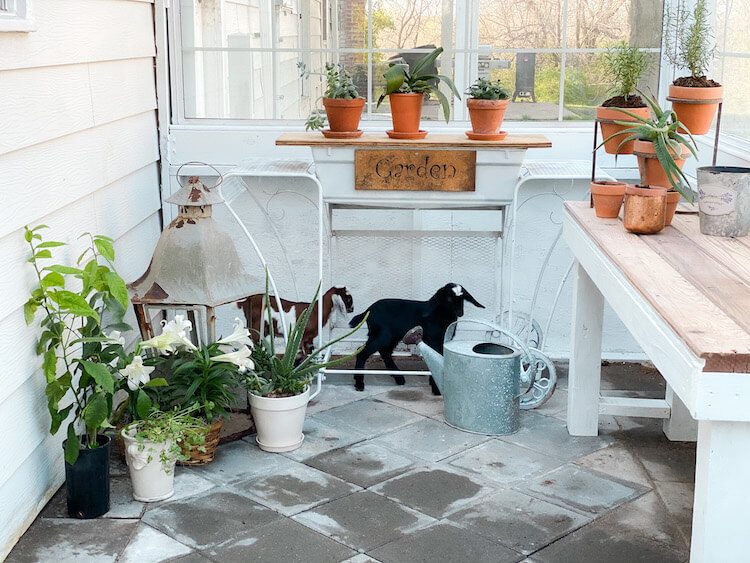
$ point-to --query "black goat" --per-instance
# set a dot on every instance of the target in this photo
(391, 319)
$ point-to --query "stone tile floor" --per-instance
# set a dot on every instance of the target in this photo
(380, 477)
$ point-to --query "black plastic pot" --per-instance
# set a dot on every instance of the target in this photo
(87, 481)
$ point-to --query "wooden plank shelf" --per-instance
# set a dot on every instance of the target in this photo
(433, 140)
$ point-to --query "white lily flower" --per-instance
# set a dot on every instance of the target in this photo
(240, 335)
(136, 373)
(173, 336)
(240, 358)
(115, 337)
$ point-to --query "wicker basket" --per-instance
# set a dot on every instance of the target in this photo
(198, 457)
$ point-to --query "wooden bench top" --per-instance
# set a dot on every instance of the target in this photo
(433, 140)
(699, 285)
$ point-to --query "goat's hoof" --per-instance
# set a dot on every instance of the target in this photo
(399, 379)
(359, 386)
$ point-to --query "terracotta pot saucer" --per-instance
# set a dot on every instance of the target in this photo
(421, 134)
(499, 136)
(328, 134)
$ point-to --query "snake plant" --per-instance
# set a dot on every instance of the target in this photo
(663, 130)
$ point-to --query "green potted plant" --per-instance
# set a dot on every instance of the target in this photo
(625, 66)
(689, 45)
(406, 88)
(81, 344)
(207, 376)
(154, 444)
(661, 150)
(487, 103)
(279, 385)
(343, 104)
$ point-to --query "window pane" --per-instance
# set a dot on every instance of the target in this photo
(732, 73)
(407, 24)
(596, 24)
(520, 24)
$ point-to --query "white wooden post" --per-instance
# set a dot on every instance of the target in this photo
(722, 490)
(585, 356)
(680, 426)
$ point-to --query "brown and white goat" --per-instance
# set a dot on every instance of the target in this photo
(337, 298)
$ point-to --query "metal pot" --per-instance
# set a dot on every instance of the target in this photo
(724, 201)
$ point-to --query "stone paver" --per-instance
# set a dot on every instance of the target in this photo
(581, 489)
(209, 520)
(73, 541)
(122, 503)
(363, 520)
(363, 464)
(617, 461)
(321, 437)
(444, 542)
(430, 440)
(149, 545)
(369, 417)
(416, 399)
(240, 460)
(503, 462)
(437, 491)
(519, 521)
(284, 541)
(295, 489)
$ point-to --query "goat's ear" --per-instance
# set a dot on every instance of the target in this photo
(470, 298)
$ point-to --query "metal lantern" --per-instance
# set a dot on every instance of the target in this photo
(196, 266)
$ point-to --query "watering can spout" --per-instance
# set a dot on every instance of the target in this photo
(434, 362)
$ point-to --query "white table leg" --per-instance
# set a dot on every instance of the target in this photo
(680, 426)
(585, 357)
(722, 489)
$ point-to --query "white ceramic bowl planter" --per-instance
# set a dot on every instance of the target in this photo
(279, 421)
(152, 480)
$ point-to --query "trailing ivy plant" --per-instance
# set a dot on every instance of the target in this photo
(81, 342)
(688, 38)
(485, 89)
(625, 66)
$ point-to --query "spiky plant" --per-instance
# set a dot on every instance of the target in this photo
(688, 37)
(625, 65)
(663, 131)
(484, 89)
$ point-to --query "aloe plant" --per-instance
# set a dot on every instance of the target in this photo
(400, 79)
(663, 131)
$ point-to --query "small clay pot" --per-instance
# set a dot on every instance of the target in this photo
(607, 196)
(652, 172)
(406, 111)
(673, 199)
(605, 117)
(645, 209)
(698, 110)
(486, 115)
(343, 115)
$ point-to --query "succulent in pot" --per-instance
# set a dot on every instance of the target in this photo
(279, 384)
(487, 103)
(406, 88)
(625, 66)
(689, 45)
(343, 104)
(153, 446)
(660, 147)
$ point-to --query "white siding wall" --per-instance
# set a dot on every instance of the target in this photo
(78, 151)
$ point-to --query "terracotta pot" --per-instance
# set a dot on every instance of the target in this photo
(673, 199)
(698, 113)
(607, 196)
(406, 111)
(652, 173)
(343, 115)
(605, 115)
(645, 210)
(486, 115)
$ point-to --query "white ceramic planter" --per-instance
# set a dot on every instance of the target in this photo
(151, 480)
(279, 421)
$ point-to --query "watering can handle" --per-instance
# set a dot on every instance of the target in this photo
(450, 332)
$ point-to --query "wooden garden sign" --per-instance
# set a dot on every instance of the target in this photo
(415, 170)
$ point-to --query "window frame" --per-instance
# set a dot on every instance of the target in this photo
(17, 20)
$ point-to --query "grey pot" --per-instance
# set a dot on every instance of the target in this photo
(724, 201)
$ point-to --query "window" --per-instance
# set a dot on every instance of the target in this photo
(237, 59)
(15, 15)
(732, 65)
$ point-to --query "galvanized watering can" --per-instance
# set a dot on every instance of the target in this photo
(480, 380)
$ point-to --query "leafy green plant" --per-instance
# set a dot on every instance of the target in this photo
(177, 428)
(625, 65)
(400, 79)
(688, 37)
(290, 372)
(84, 361)
(663, 131)
(316, 120)
(339, 85)
(484, 89)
